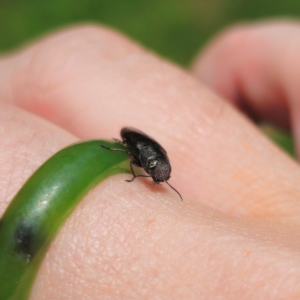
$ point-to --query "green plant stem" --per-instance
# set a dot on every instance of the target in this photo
(41, 207)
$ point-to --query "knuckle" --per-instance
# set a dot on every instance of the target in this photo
(67, 55)
(239, 38)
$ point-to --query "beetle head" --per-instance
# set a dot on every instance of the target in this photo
(159, 169)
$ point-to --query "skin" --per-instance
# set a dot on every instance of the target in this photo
(235, 235)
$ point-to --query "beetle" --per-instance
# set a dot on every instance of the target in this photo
(146, 153)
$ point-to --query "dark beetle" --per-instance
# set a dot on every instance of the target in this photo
(145, 153)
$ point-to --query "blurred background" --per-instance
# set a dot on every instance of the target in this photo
(175, 29)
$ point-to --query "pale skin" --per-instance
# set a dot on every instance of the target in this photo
(235, 235)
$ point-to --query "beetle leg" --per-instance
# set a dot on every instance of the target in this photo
(115, 149)
(134, 162)
(118, 141)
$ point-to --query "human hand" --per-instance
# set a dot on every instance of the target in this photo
(235, 234)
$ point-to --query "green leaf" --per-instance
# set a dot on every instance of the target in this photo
(43, 204)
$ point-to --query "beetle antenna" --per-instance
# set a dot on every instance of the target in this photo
(174, 189)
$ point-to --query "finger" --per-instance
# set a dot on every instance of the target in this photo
(26, 142)
(97, 82)
(256, 67)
